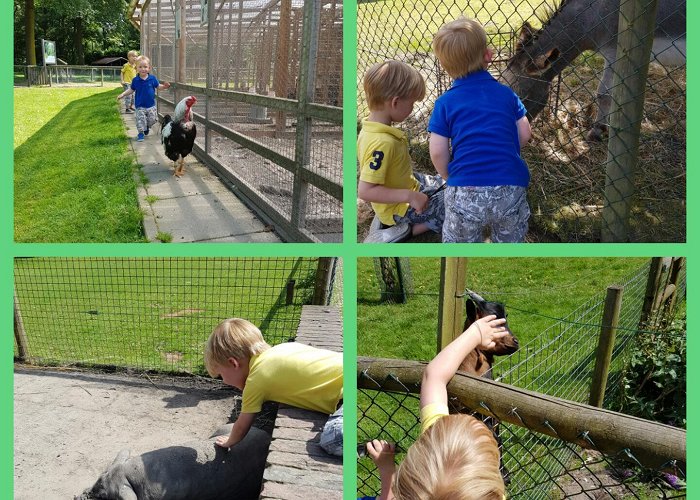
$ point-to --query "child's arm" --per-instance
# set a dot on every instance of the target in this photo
(164, 85)
(382, 454)
(442, 368)
(524, 131)
(239, 431)
(379, 193)
(439, 153)
(127, 92)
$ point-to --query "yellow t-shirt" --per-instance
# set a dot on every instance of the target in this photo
(128, 72)
(431, 413)
(383, 154)
(295, 374)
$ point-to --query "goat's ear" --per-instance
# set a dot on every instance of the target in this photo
(539, 65)
(471, 311)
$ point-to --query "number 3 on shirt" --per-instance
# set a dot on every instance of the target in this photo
(378, 157)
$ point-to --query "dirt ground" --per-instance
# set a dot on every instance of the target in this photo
(70, 425)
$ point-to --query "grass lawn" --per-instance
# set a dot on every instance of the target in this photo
(73, 176)
(152, 314)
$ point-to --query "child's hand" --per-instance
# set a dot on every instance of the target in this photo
(166, 85)
(119, 97)
(488, 329)
(418, 201)
(382, 454)
(223, 441)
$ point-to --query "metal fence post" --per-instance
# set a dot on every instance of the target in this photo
(453, 278)
(20, 334)
(634, 40)
(606, 343)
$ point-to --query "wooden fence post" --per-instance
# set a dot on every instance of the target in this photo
(606, 343)
(20, 334)
(653, 280)
(635, 35)
(323, 280)
(671, 293)
(453, 277)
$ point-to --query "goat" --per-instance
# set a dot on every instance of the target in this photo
(480, 361)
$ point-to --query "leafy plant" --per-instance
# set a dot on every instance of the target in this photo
(654, 381)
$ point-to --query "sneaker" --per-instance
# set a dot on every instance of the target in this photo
(391, 234)
(145, 132)
(140, 137)
(128, 110)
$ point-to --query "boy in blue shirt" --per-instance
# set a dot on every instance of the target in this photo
(485, 124)
(144, 85)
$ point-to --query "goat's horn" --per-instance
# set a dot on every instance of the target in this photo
(475, 296)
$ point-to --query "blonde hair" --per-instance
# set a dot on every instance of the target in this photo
(457, 458)
(232, 338)
(386, 80)
(133, 53)
(143, 58)
(460, 46)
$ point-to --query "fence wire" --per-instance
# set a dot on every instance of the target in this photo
(535, 466)
(559, 362)
(151, 313)
(565, 68)
(269, 90)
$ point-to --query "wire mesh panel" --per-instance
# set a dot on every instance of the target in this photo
(152, 314)
(563, 64)
(269, 92)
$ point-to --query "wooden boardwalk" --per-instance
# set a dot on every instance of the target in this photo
(297, 467)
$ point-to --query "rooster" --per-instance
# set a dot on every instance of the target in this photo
(177, 133)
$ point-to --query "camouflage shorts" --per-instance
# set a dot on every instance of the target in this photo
(332, 435)
(434, 215)
(469, 210)
(146, 118)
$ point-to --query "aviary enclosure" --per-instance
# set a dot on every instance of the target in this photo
(269, 90)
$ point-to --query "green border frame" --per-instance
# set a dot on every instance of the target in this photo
(349, 250)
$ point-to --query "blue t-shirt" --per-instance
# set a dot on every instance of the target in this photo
(145, 91)
(479, 115)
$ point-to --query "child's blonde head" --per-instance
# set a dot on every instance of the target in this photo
(232, 338)
(460, 46)
(455, 459)
(389, 79)
(142, 59)
(134, 53)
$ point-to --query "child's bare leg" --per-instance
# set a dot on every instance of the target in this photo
(421, 228)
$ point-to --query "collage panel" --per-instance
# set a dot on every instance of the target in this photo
(195, 121)
(191, 378)
(532, 378)
(502, 121)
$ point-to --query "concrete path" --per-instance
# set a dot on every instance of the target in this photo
(197, 207)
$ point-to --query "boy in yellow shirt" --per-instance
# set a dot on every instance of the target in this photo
(290, 373)
(398, 195)
(127, 75)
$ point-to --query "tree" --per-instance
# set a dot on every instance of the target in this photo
(30, 40)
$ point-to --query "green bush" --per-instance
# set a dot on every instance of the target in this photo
(654, 381)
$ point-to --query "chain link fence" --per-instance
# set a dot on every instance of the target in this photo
(559, 362)
(269, 90)
(153, 313)
(587, 185)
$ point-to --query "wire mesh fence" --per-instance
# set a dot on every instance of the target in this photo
(559, 362)
(269, 90)
(561, 59)
(65, 75)
(152, 313)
